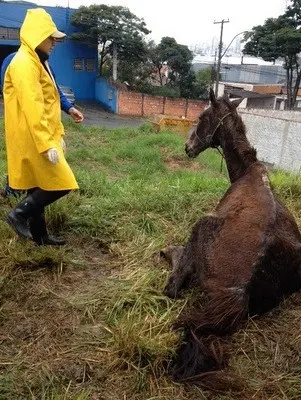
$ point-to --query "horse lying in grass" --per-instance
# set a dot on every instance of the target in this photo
(245, 257)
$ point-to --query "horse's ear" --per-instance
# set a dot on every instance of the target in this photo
(212, 97)
(237, 102)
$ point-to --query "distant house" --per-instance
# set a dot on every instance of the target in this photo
(252, 99)
(75, 64)
(160, 78)
(259, 96)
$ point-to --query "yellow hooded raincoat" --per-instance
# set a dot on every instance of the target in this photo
(32, 113)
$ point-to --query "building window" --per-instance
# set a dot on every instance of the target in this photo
(3, 33)
(79, 64)
(9, 33)
(13, 34)
(90, 64)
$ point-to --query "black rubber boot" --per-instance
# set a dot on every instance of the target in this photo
(18, 217)
(52, 241)
(38, 229)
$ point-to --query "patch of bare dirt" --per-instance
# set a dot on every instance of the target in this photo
(46, 328)
(179, 162)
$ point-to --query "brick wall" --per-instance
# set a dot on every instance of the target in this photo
(152, 104)
(138, 104)
(175, 107)
(129, 103)
(194, 108)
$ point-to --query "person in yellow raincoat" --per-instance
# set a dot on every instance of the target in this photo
(33, 129)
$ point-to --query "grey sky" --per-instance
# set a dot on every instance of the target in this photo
(191, 21)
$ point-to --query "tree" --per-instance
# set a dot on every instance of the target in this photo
(178, 58)
(204, 77)
(280, 38)
(103, 25)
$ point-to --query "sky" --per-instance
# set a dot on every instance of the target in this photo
(191, 21)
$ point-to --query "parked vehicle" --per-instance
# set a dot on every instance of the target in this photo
(68, 92)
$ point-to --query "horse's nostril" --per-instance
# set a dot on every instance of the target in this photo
(187, 150)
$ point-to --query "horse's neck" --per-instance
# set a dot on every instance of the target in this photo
(238, 152)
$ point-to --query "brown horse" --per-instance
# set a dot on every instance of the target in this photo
(245, 257)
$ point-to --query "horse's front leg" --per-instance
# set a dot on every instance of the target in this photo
(172, 254)
(189, 262)
(182, 269)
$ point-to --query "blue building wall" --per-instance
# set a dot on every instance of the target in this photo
(106, 94)
(62, 58)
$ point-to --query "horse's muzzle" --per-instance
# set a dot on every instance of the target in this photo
(190, 151)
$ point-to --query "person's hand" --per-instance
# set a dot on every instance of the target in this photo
(76, 114)
(64, 147)
(53, 155)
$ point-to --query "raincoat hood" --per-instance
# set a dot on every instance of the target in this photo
(37, 26)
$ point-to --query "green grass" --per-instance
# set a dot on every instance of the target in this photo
(89, 321)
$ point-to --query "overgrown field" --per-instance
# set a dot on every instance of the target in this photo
(89, 321)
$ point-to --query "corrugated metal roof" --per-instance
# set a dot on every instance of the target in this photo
(246, 94)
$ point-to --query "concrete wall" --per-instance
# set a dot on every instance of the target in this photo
(276, 135)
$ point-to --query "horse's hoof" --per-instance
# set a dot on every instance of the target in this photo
(162, 253)
(171, 292)
(169, 252)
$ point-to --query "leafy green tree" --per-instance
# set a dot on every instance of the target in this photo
(178, 58)
(204, 77)
(138, 61)
(280, 38)
(294, 11)
(148, 75)
(104, 25)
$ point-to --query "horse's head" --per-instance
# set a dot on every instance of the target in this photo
(207, 132)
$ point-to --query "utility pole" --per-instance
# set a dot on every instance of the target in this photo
(67, 18)
(114, 61)
(213, 69)
(220, 49)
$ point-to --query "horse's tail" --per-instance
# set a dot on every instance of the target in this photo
(203, 351)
